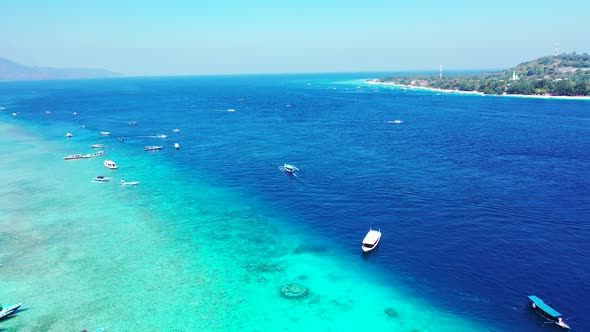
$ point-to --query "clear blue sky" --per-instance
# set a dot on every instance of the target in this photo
(181, 37)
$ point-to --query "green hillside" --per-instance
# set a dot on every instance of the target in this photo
(561, 75)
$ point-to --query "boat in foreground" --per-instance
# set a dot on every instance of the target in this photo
(110, 164)
(152, 148)
(129, 183)
(371, 240)
(548, 313)
(289, 168)
(9, 310)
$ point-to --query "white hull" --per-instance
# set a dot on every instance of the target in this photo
(110, 164)
(9, 310)
(371, 240)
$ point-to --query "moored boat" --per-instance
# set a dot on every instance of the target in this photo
(129, 183)
(371, 240)
(110, 164)
(289, 168)
(73, 156)
(547, 312)
(176, 130)
(92, 155)
(97, 146)
(69, 135)
(152, 148)
(176, 146)
(105, 133)
(9, 310)
(101, 178)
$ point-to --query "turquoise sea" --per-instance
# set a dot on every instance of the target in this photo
(481, 201)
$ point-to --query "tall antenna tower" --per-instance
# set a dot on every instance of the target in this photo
(440, 71)
(556, 48)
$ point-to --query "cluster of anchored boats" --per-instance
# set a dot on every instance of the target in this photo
(110, 163)
(373, 237)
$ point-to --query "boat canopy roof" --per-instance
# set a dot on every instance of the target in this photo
(372, 237)
(544, 306)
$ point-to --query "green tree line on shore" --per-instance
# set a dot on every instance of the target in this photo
(561, 75)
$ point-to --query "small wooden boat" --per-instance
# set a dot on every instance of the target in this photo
(152, 148)
(110, 164)
(548, 313)
(289, 168)
(9, 310)
(371, 240)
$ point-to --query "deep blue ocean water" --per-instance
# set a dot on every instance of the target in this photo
(481, 200)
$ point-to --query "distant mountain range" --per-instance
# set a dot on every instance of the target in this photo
(10, 71)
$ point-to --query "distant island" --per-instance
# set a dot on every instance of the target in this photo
(12, 71)
(559, 75)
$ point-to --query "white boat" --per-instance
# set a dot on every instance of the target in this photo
(176, 146)
(395, 121)
(101, 178)
(73, 156)
(152, 148)
(92, 155)
(176, 130)
(105, 133)
(97, 146)
(110, 164)
(371, 240)
(161, 136)
(129, 183)
(133, 123)
(69, 135)
(288, 168)
(9, 310)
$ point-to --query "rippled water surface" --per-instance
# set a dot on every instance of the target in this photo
(481, 201)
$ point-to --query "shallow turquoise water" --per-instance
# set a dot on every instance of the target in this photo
(481, 200)
(170, 255)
